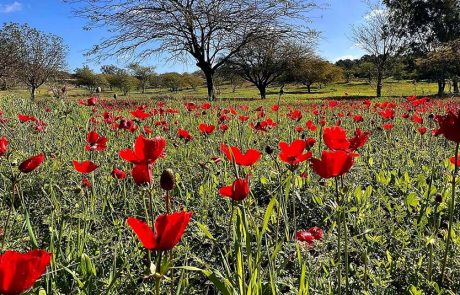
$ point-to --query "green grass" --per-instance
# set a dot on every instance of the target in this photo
(292, 92)
(396, 230)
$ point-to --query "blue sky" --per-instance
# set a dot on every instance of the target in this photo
(56, 17)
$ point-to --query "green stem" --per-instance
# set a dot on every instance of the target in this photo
(7, 222)
(344, 221)
(451, 216)
(430, 261)
(229, 225)
(339, 237)
(158, 267)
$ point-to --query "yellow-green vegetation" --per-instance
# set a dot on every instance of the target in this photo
(352, 89)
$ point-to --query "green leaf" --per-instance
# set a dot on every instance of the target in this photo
(263, 180)
(30, 230)
(268, 214)
(205, 230)
(412, 200)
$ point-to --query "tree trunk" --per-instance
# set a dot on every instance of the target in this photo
(262, 90)
(208, 71)
(309, 87)
(210, 85)
(455, 82)
(379, 85)
(441, 86)
(32, 92)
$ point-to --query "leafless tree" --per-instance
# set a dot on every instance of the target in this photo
(41, 57)
(377, 37)
(264, 61)
(211, 31)
(9, 51)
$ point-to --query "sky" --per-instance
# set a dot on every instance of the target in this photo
(334, 21)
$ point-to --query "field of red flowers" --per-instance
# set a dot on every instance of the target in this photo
(104, 196)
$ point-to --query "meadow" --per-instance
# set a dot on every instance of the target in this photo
(356, 89)
(288, 195)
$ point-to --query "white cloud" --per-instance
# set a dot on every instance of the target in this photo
(378, 12)
(12, 7)
(345, 57)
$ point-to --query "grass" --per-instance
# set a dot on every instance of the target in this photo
(386, 209)
(292, 92)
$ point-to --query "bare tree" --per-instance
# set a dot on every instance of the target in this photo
(264, 61)
(377, 37)
(9, 51)
(211, 31)
(41, 57)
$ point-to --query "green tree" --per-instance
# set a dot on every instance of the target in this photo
(142, 73)
(86, 77)
(192, 80)
(172, 81)
(311, 70)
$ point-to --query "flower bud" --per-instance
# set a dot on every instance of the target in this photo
(269, 150)
(167, 180)
(438, 198)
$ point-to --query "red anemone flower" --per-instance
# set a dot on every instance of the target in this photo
(169, 229)
(146, 150)
(358, 118)
(90, 101)
(3, 146)
(142, 174)
(238, 191)
(449, 126)
(310, 143)
(233, 153)
(388, 126)
(32, 163)
(452, 160)
(206, 129)
(422, 130)
(310, 126)
(140, 114)
(95, 142)
(293, 153)
(85, 182)
(336, 138)
(25, 118)
(358, 140)
(19, 271)
(333, 163)
(118, 173)
(316, 232)
(84, 166)
(184, 134)
(304, 236)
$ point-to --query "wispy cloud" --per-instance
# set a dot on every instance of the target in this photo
(11, 7)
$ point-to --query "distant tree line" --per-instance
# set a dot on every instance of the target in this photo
(134, 77)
